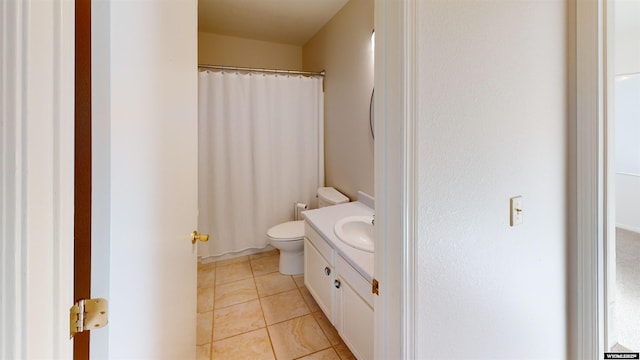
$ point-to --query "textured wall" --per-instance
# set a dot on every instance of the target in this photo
(214, 49)
(628, 202)
(493, 118)
(627, 41)
(343, 49)
(627, 61)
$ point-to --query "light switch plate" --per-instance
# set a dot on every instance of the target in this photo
(517, 216)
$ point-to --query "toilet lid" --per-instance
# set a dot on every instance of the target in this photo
(292, 230)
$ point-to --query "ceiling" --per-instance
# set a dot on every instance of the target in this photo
(291, 22)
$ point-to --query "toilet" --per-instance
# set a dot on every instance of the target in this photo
(288, 237)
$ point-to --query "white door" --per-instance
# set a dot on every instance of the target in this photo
(144, 67)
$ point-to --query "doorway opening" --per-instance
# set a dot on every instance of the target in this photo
(623, 288)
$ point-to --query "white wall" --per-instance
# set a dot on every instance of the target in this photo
(628, 202)
(627, 61)
(493, 116)
(627, 39)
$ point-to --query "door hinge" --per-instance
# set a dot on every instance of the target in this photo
(374, 287)
(87, 315)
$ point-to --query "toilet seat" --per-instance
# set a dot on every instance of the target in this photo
(288, 231)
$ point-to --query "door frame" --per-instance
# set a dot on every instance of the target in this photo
(36, 180)
(395, 108)
(590, 219)
(609, 176)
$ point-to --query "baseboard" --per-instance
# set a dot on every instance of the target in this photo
(628, 228)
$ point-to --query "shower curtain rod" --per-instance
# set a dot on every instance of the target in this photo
(271, 71)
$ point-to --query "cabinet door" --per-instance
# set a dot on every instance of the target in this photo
(356, 321)
(318, 278)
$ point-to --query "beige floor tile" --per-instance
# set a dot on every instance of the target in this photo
(299, 279)
(203, 330)
(326, 326)
(206, 265)
(237, 319)
(234, 260)
(251, 346)
(344, 352)
(206, 277)
(264, 254)
(233, 272)
(274, 283)
(308, 298)
(265, 265)
(283, 306)
(297, 337)
(235, 293)
(203, 352)
(205, 299)
(327, 354)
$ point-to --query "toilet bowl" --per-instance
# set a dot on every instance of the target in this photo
(288, 237)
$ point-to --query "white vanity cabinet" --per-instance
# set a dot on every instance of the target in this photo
(354, 310)
(341, 292)
(319, 274)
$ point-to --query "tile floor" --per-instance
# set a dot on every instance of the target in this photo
(248, 310)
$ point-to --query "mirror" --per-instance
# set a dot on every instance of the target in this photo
(371, 114)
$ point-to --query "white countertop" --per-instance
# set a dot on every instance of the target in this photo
(324, 219)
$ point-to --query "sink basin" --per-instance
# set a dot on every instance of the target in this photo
(356, 231)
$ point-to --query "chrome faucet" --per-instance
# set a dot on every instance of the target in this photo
(373, 220)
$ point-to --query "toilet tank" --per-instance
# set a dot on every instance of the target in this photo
(330, 196)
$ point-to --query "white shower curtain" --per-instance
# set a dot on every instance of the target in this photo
(260, 151)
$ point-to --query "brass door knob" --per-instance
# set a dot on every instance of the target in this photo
(195, 237)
